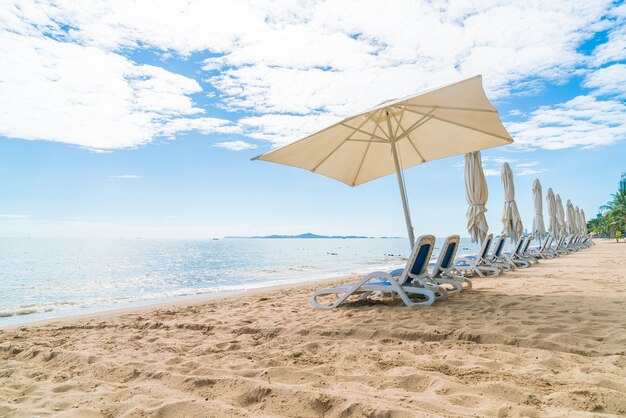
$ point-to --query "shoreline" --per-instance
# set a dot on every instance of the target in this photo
(189, 302)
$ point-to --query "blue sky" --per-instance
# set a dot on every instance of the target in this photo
(140, 118)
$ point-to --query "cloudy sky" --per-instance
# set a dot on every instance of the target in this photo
(139, 118)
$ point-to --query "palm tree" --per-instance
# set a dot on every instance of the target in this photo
(616, 212)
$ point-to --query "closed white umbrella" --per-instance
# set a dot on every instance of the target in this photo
(584, 219)
(400, 133)
(511, 221)
(552, 213)
(580, 222)
(560, 215)
(539, 228)
(476, 194)
(571, 218)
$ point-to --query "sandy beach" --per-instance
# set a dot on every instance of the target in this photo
(546, 341)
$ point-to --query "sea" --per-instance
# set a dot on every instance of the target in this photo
(44, 278)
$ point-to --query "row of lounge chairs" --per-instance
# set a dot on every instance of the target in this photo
(422, 282)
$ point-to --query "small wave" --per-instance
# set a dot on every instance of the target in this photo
(30, 309)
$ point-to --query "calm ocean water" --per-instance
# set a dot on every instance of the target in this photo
(45, 278)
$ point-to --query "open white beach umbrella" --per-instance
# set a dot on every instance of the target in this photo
(560, 215)
(571, 218)
(476, 194)
(511, 221)
(539, 228)
(400, 133)
(552, 213)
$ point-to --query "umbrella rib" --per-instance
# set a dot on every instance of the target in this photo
(411, 141)
(466, 109)
(355, 130)
(367, 140)
(342, 142)
(399, 122)
(462, 125)
(358, 171)
(425, 118)
(369, 144)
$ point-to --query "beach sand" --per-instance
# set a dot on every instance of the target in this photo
(546, 341)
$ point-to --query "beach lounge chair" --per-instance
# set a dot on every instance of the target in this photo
(587, 241)
(478, 264)
(412, 281)
(524, 251)
(560, 248)
(443, 271)
(544, 250)
(570, 243)
(498, 258)
(516, 257)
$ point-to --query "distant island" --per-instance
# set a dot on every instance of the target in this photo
(306, 235)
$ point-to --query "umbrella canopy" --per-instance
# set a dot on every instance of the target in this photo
(584, 219)
(539, 228)
(511, 221)
(476, 194)
(400, 133)
(560, 215)
(552, 213)
(571, 218)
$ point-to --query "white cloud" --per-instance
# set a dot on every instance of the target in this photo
(235, 145)
(84, 96)
(609, 80)
(528, 168)
(493, 164)
(491, 172)
(293, 64)
(281, 129)
(528, 164)
(13, 216)
(126, 176)
(581, 122)
(529, 171)
(615, 47)
(203, 125)
(349, 60)
(497, 160)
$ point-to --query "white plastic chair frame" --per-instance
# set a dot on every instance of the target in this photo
(404, 286)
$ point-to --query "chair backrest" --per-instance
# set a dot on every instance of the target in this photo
(497, 247)
(518, 246)
(527, 244)
(485, 248)
(418, 261)
(447, 254)
(547, 244)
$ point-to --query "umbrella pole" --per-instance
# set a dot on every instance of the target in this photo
(405, 205)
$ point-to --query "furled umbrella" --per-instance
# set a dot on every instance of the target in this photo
(552, 213)
(476, 194)
(560, 212)
(400, 133)
(511, 220)
(571, 218)
(584, 219)
(579, 228)
(539, 228)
